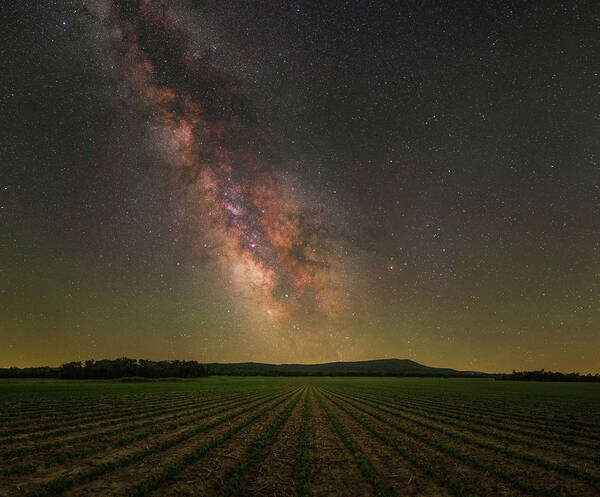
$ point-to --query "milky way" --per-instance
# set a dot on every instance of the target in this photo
(301, 182)
(268, 243)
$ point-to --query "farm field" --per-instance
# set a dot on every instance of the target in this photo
(299, 437)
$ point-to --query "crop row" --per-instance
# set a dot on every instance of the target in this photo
(85, 422)
(499, 432)
(172, 469)
(116, 428)
(250, 459)
(62, 483)
(157, 427)
(554, 420)
(512, 454)
(305, 458)
(40, 408)
(541, 425)
(90, 412)
(365, 466)
(497, 424)
(411, 457)
(109, 422)
(502, 410)
(449, 450)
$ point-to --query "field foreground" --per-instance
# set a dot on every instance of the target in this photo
(299, 437)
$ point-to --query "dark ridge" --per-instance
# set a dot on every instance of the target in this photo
(141, 369)
(378, 367)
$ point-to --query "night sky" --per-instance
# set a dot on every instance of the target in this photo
(301, 181)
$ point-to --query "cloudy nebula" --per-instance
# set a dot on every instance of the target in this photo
(267, 241)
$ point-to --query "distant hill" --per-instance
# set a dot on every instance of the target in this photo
(126, 367)
(378, 367)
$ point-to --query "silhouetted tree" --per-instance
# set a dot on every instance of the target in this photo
(542, 375)
(112, 368)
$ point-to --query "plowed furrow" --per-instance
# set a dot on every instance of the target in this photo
(276, 474)
(334, 472)
(409, 474)
(192, 473)
(479, 471)
(76, 476)
(124, 438)
(481, 438)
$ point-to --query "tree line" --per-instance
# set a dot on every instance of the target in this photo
(111, 368)
(542, 375)
(126, 367)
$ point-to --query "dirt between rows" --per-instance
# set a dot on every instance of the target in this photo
(476, 481)
(527, 471)
(116, 479)
(400, 476)
(89, 412)
(578, 438)
(539, 421)
(89, 424)
(36, 456)
(479, 481)
(205, 476)
(334, 472)
(46, 473)
(547, 449)
(121, 480)
(277, 474)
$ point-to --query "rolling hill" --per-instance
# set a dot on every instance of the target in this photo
(378, 367)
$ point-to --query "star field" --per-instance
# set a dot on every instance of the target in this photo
(301, 182)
